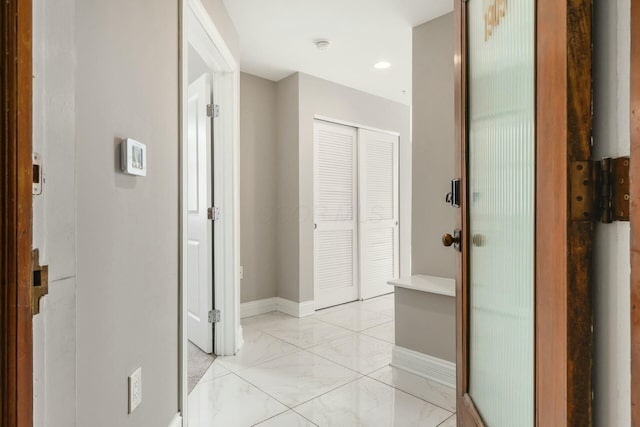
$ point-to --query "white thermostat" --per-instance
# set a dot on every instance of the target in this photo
(133, 157)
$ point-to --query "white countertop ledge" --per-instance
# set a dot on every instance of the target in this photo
(424, 283)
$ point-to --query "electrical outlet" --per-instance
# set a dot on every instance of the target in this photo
(135, 390)
(241, 272)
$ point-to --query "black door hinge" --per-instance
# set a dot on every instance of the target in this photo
(600, 190)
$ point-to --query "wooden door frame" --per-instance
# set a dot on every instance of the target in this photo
(16, 341)
(563, 318)
(635, 212)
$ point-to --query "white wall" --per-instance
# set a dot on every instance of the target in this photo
(611, 293)
(54, 223)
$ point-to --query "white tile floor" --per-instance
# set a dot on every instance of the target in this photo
(330, 369)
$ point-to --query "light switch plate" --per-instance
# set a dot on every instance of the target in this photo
(241, 272)
(135, 390)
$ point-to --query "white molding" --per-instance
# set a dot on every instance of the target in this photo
(353, 125)
(295, 309)
(212, 31)
(177, 421)
(228, 335)
(254, 308)
(423, 365)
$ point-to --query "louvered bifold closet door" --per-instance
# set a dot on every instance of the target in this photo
(379, 240)
(335, 214)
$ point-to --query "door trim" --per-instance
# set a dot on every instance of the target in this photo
(196, 25)
(16, 336)
(635, 212)
(563, 337)
(564, 349)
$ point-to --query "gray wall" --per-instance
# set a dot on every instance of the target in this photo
(126, 86)
(258, 188)
(127, 228)
(325, 98)
(288, 124)
(433, 146)
(426, 323)
(611, 298)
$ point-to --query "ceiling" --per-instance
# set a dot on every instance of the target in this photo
(277, 39)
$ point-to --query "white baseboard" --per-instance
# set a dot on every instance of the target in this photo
(295, 309)
(254, 308)
(177, 421)
(423, 365)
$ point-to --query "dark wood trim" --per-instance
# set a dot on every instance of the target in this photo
(16, 342)
(635, 212)
(467, 414)
(563, 248)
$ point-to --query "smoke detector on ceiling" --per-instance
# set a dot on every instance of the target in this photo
(322, 44)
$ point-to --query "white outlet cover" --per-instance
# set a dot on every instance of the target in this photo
(135, 390)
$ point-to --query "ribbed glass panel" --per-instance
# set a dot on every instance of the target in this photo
(501, 179)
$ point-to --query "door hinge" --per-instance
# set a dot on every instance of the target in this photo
(213, 110)
(214, 316)
(213, 213)
(39, 281)
(600, 190)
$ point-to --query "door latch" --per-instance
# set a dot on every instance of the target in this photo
(38, 178)
(600, 190)
(39, 281)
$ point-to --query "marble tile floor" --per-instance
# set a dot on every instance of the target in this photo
(329, 369)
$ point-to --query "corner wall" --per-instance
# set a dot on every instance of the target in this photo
(433, 146)
(258, 188)
(288, 241)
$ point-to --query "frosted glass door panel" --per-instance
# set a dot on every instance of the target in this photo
(501, 208)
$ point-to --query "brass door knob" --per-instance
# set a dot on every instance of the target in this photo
(448, 240)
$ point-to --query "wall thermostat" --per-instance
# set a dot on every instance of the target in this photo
(133, 157)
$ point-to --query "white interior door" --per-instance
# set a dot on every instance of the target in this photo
(200, 230)
(335, 214)
(379, 240)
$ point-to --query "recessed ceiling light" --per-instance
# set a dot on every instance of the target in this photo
(323, 44)
(383, 65)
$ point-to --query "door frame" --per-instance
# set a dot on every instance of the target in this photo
(563, 337)
(198, 29)
(635, 212)
(358, 126)
(16, 342)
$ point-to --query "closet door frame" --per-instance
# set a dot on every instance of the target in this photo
(357, 127)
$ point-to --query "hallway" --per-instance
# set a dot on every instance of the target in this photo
(329, 369)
